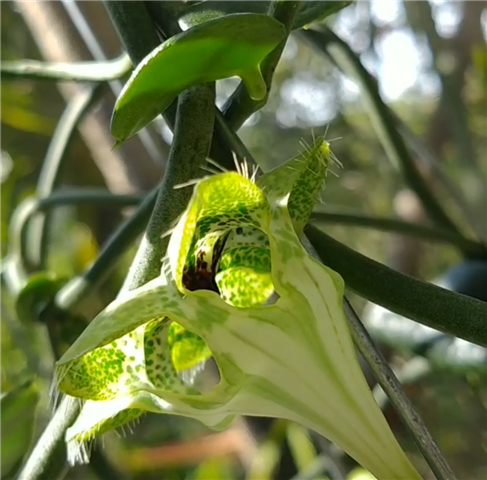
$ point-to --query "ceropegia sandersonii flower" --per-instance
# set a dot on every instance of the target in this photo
(237, 242)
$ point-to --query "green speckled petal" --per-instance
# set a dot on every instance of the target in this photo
(301, 178)
(244, 287)
(219, 204)
(187, 349)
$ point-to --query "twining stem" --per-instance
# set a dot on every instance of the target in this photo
(78, 72)
(135, 28)
(119, 242)
(402, 405)
(384, 123)
(48, 459)
(80, 196)
(474, 248)
(239, 107)
(52, 168)
(390, 384)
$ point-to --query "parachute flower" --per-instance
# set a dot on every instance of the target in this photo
(236, 244)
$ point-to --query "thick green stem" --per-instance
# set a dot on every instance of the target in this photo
(48, 459)
(383, 122)
(470, 247)
(77, 72)
(422, 302)
(239, 107)
(192, 139)
(190, 147)
(134, 26)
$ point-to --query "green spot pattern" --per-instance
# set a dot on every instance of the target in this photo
(158, 362)
(106, 372)
(223, 206)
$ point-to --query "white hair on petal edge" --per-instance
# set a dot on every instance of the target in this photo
(79, 451)
(243, 169)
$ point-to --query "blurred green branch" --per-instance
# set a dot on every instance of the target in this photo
(422, 302)
(382, 119)
(52, 168)
(121, 240)
(402, 405)
(411, 139)
(422, 153)
(14, 268)
(77, 72)
(78, 196)
(470, 247)
(14, 272)
(451, 112)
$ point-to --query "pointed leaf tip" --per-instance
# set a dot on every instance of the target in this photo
(239, 42)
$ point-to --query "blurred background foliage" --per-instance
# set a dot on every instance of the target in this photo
(430, 60)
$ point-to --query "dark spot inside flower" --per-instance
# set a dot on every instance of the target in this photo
(201, 274)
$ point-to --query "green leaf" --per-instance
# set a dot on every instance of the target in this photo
(18, 414)
(308, 12)
(234, 45)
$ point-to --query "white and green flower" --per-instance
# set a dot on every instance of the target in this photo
(237, 242)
